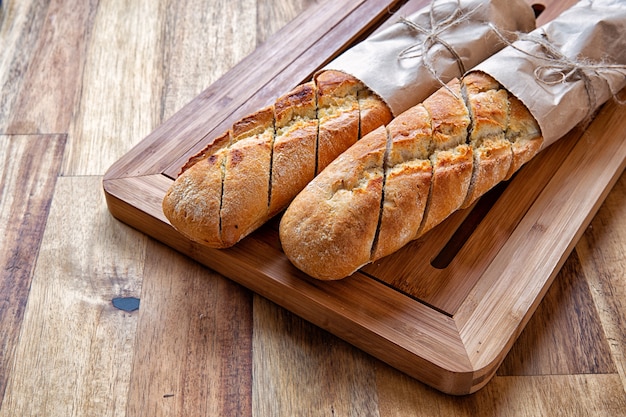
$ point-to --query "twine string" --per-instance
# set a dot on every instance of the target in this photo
(559, 68)
(431, 36)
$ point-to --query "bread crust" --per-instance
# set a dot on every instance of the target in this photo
(245, 197)
(213, 148)
(409, 172)
(338, 114)
(438, 157)
(488, 106)
(452, 163)
(351, 188)
(401, 216)
(372, 115)
(522, 133)
(192, 204)
(293, 156)
(452, 172)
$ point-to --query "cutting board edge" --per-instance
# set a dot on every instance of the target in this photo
(432, 368)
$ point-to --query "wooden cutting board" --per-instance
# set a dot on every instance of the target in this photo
(446, 308)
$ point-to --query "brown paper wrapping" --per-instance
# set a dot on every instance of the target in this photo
(393, 64)
(562, 90)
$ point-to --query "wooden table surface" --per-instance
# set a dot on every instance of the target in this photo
(84, 81)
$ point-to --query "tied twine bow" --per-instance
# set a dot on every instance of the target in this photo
(560, 69)
(432, 37)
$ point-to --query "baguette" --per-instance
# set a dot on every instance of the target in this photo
(400, 181)
(253, 171)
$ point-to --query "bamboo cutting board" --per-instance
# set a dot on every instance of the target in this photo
(446, 308)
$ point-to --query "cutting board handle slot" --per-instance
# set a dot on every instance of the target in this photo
(458, 239)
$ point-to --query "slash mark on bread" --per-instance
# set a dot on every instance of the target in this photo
(385, 167)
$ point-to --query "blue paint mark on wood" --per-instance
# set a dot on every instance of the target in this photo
(126, 303)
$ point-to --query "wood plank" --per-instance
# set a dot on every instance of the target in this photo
(292, 357)
(602, 250)
(521, 396)
(270, 360)
(120, 100)
(193, 341)
(565, 335)
(274, 15)
(28, 173)
(20, 27)
(205, 322)
(55, 69)
(75, 349)
(227, 31)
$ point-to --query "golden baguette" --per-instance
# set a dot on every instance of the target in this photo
(400, 181)
(253, 171)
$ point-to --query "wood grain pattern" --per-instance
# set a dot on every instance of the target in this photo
(202, 349)
(201, 344)
(54, 67)
(272, 16)
(20, 30)
(567, 327)
(554, 395)
(28, 173)
(75, 349)
(120, 97)
(605, 271)
(307, 372)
